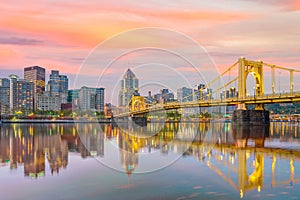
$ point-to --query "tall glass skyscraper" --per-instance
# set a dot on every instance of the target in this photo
(58, 83)
(129, 86)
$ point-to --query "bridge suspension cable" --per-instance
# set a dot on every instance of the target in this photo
(217, 78)
(225, 85)
(291, 71)
(199, 91)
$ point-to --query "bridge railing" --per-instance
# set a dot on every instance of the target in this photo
(250, 97)
(175, 105)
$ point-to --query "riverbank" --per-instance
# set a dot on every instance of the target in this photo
(37, 121)
(41, 121)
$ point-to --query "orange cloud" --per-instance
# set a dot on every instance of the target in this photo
(67, 29)
(85, 25)
(10, 58)
(7, 54)
(294, 4)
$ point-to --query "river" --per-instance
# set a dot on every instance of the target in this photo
(157, 161)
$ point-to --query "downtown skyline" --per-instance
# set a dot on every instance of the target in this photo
(61, 35)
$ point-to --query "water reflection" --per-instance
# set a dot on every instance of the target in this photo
(31, 146)
(248, 158)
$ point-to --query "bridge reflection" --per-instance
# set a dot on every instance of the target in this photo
(238, 156)
(246, 158)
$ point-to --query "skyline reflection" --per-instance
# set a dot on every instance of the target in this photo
(247, 159)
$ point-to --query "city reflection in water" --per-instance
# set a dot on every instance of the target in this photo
(247, 158)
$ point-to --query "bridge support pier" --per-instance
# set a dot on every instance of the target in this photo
(250, 124)
(251, 117)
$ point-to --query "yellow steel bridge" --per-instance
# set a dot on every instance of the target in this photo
(244, 67)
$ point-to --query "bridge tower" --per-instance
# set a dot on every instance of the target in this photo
(137, 103)
(246, 67)
(242, 116)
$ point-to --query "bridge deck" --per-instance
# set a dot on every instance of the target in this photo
(266, 99)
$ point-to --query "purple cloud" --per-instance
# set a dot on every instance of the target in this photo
(20, 41)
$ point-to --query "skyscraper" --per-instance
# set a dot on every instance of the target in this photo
(36, 75)
(13, 92)
(166, 95)
(21, 94)
(185, 94)
(57, 83)
(99, 99)
(4, 95)
(56, 93)
(129, 86)
(25, 90)
(91, 99)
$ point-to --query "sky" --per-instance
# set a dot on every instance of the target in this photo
(181, 42)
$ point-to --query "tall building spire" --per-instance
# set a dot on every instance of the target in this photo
(129, 86)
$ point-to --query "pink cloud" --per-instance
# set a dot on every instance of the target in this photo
(54, 33)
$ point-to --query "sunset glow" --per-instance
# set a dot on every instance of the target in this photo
(60, 34)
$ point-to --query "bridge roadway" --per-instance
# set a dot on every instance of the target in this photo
(266, 99)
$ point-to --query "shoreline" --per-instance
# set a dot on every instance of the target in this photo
(46, 121)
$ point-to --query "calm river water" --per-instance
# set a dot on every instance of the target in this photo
(159, 161)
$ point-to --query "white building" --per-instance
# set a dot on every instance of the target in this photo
(46, 102)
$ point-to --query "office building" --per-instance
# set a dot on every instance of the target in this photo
(150, 99)
(166, 96)
(203, 93)
(91, 99)
(185, 94)
(231, 93)
(13, 92)
(157, 97)
(4, 95)
(73, 98)
(129, 86)
(20, 94)
(25, 90)
(47, 102)
(57, 83)
(36, 75)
